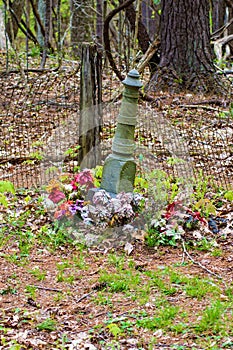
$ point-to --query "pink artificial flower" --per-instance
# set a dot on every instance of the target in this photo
(73, 184)
(83, 178)
(56, 196)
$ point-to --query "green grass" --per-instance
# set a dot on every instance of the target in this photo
(163, 318)
(38, 274)
(212, 319)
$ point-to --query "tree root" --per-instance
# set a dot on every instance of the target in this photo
(167, 79)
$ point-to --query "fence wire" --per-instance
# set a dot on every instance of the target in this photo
(39, 120)
(30, 112)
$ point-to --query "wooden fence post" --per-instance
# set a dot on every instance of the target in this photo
(90, 107)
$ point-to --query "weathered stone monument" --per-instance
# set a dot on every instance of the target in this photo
(119, 167)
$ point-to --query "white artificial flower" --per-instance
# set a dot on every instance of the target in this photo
(68, 187)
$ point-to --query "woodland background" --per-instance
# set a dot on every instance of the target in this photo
(169, 286)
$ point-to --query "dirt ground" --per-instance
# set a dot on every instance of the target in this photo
(75, 305)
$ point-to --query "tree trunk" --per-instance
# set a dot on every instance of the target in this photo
(186, 60)
(149, 19)
(47, 32)
(230, 28)
(41, 12)
(99, 24)
(15, 18)
(2, 31)
(219, 10)
(142, 35)
(222, 14)
(81, 24)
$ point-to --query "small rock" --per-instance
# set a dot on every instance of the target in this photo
(91, 239)
(132, 341)
(90, 346)
(158, 333)
(128, 248)
(197, 235)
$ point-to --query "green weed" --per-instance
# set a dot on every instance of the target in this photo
(72, 152)
(31, 290)
(201, 186)
(162, 319)
(8, 290)
(116, 260)
(163, 287)
(54, 238)
(205, 245)
(198, 288)
(47, 325)
(211, 319)
(115, 330)
(102, 299)
(38, 274)
(79, 262)
(61, 277)
(155, 237)
(119, 282)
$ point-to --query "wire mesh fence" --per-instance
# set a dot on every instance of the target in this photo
(30, 112)
(184, 140)
(39, 119)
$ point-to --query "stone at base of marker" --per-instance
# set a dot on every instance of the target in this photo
(118, 175)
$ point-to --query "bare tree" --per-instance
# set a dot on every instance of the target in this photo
(218, 14)
(222, 18)
(99, 23)
(15, 14)
(47, 27)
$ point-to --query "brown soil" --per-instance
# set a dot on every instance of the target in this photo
(73, 305)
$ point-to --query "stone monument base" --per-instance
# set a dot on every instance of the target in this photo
(118, 175)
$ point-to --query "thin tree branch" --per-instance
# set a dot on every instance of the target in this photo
(199, 264)
(106, 36)
(39, 21)
(49, 289)
(26, 32)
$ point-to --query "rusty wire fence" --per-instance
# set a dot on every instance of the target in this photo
(39, 118)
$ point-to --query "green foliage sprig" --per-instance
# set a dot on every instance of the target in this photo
(5, 187)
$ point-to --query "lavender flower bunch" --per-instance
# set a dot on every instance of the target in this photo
(109, 211)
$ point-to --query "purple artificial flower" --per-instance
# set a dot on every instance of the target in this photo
(126, 212)
(63, 210)
(76, 207)
(125, 197)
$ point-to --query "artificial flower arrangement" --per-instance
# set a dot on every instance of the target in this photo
(68, 195)
(165, 225)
